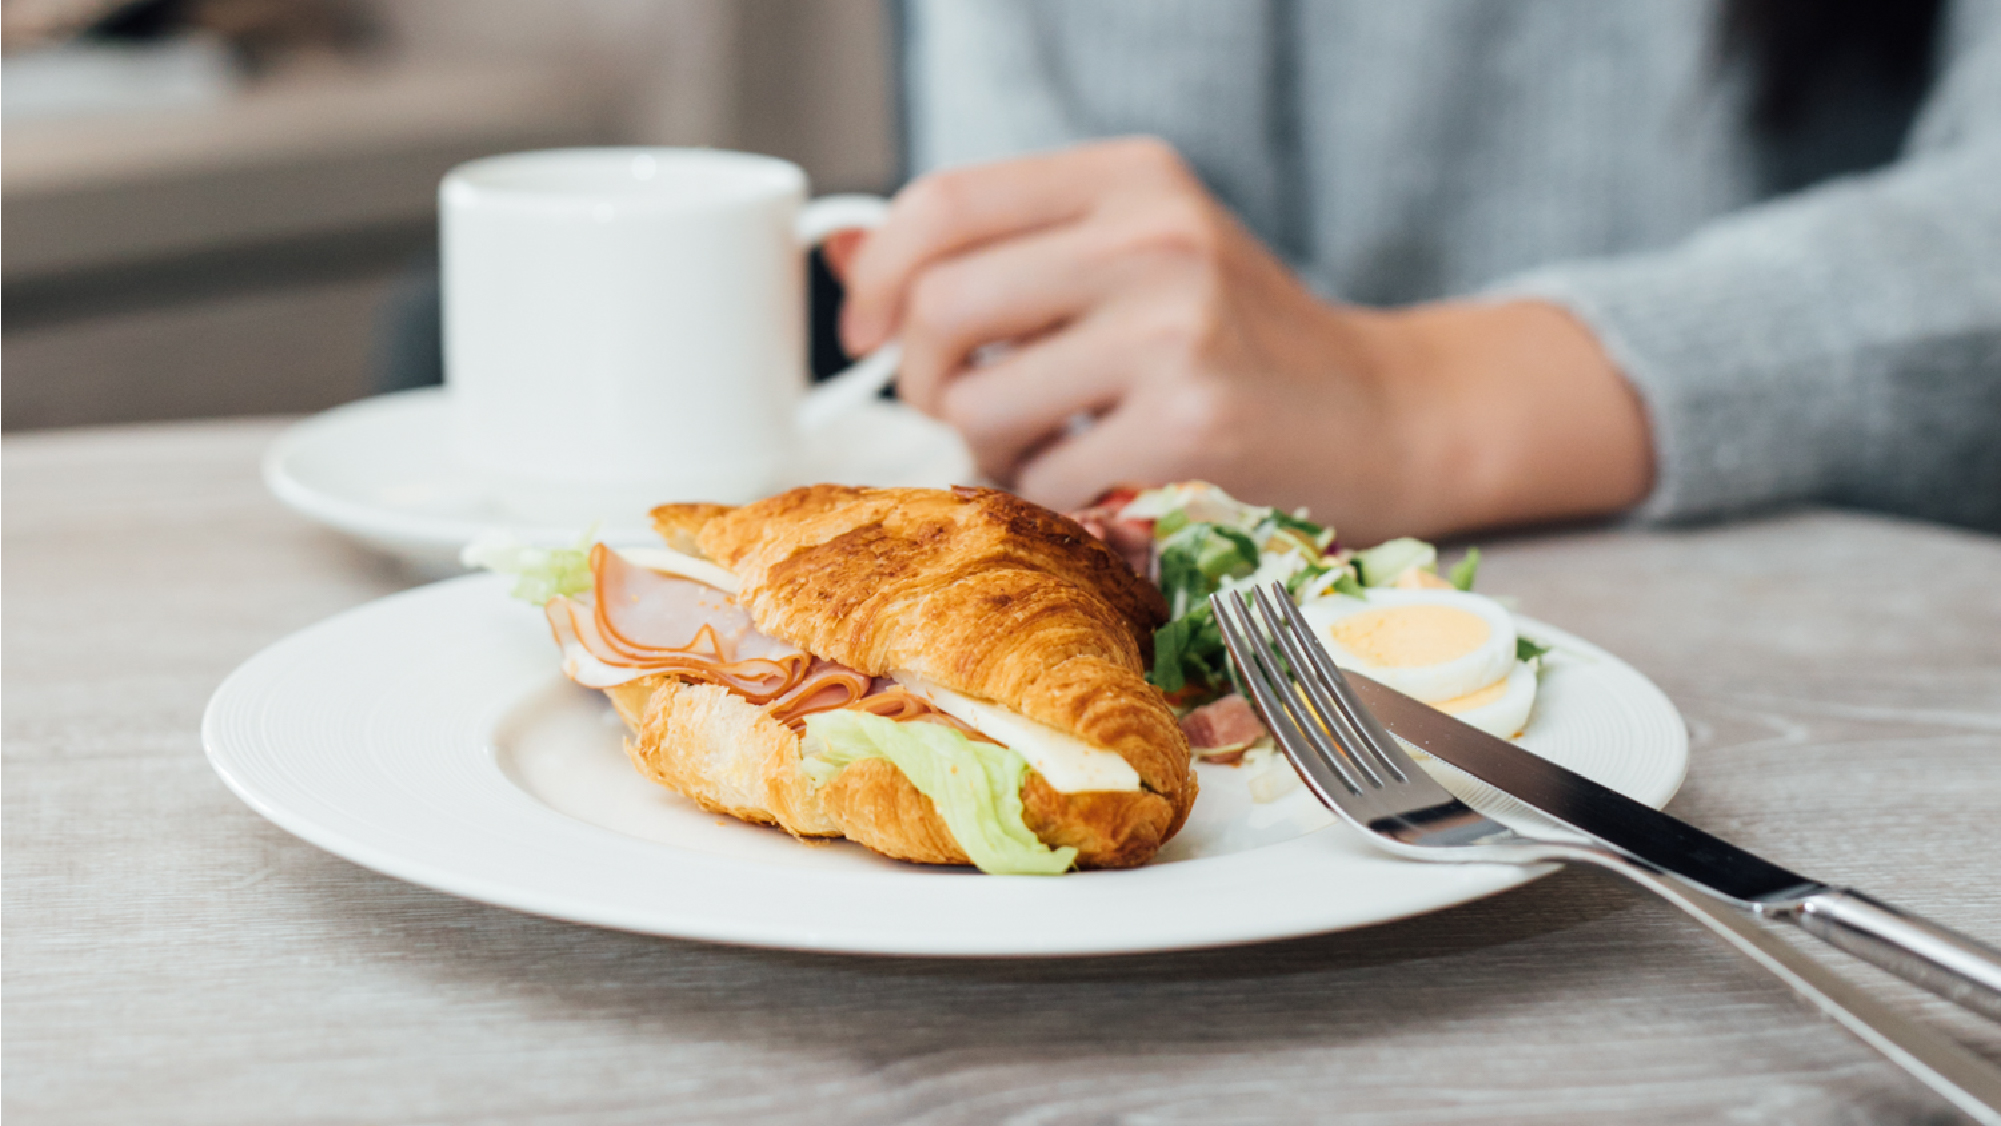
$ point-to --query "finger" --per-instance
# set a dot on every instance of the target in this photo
(947, 212)
(840, 248)
(1005, 293)
(1130, 445)
(1008, 408)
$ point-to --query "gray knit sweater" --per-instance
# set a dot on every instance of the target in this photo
(1838, 343)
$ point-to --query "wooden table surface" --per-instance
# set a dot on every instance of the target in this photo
(172, 957)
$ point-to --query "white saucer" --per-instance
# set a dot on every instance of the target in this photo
(381, 471)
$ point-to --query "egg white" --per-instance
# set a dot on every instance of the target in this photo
(1453, 676)
(1506, 717)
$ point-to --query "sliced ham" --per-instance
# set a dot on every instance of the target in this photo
(636, 622)
(1131, 538)
(591, 659)
(826, 686)
(1225, 726)
(891, 700)
(642, 611)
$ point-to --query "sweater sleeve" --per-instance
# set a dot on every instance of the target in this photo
(988, 79)
(1842, 344)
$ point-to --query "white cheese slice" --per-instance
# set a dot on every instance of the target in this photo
(1066, 762)
(668, 561)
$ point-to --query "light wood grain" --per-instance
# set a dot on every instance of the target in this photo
(171, 957)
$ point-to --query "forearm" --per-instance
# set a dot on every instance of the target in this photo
(1835, 347)
(1842, 344)
(1511, 413)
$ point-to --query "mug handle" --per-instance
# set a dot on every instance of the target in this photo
(866, 378)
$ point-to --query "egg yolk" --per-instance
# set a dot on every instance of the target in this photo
(1402, 637)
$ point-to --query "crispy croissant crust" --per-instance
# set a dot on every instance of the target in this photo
(731, 757)
(877, 806)
(727, 754)
(987, 595)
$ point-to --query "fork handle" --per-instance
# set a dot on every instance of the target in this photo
(1957, 968)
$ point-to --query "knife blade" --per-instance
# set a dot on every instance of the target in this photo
(1660, 839)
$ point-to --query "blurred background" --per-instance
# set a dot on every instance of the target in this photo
(211, 206)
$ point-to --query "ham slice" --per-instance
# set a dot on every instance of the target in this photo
(1132, 538)
(643, 611)
(591, 659)
(826, 686)
(638, 622)
(1222, 728)
(891, 700)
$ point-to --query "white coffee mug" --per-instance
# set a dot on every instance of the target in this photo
(626, 326)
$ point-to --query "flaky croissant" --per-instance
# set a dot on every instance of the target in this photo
(972, 589)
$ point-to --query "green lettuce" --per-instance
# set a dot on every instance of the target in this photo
(1189, 651)
(976, 787)
(1464, 571)
(540, 573)
(1382, 564)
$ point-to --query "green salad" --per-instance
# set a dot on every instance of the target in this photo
(1206, 541)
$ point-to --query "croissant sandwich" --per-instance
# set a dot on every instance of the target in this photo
(948, 677)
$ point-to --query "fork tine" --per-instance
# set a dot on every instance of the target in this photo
(1327, 775)
(1326, 686)
(1274, 700)
(1333, 734)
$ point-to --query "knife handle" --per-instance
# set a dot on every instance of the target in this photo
(1957, 968)
(1965, 1080)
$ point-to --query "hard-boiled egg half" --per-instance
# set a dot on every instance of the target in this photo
(1450, 649)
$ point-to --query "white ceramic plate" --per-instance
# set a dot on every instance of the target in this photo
(381, 471)
(429, 736)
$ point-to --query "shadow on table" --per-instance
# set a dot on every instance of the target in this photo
(1510, 950)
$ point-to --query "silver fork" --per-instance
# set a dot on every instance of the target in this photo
(1361, 773)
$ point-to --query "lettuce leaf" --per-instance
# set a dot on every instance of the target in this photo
(1466, 569)
(1382, 564)
(1319, 535)
(1188, 653)
(976, 787)
(540, 573)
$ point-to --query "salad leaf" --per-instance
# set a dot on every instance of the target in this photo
(976, 787)
(1301, 578)
(1321, 535)
(1207, 541)
(1464, 570)
(1188, 653)
(1227, 553)
(1170, 642)
(1526, 650)
(1181, 579)
(1196, 560)
(1197, 501)
(540, 573)
(1383, 564)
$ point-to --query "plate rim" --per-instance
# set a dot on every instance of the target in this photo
(1486, 879)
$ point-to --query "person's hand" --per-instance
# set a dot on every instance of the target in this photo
(1092, 317)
